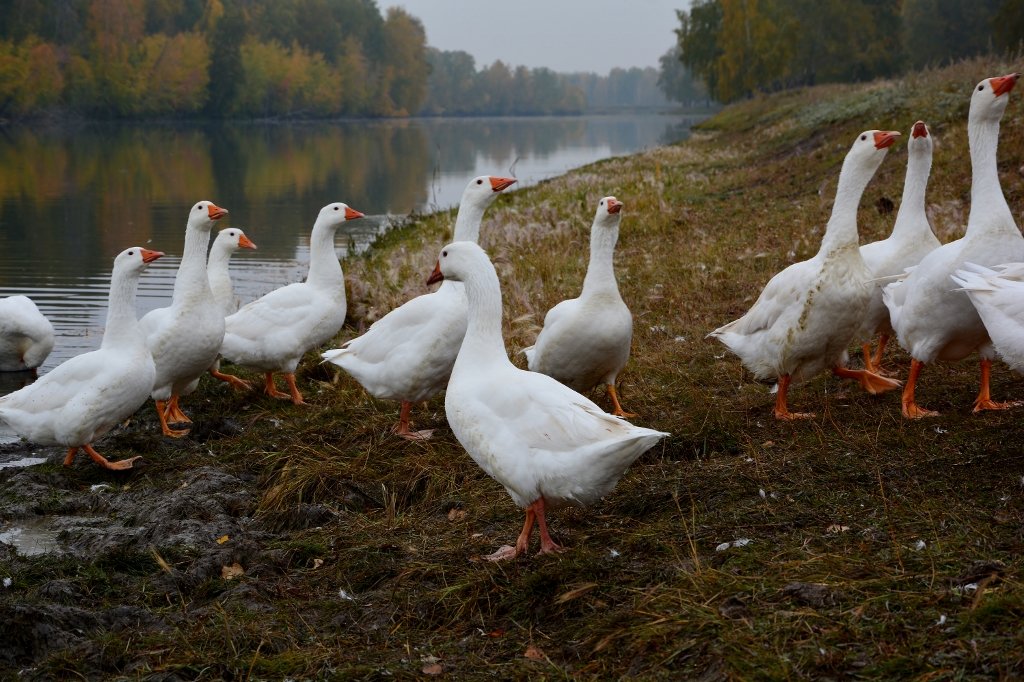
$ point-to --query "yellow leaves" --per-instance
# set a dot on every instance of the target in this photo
(222, 539)
(231, 572)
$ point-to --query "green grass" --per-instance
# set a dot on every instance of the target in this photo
(887, 516)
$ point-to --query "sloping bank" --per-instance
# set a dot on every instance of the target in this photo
(282, 541)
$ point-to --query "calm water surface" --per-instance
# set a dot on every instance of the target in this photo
(72, 199)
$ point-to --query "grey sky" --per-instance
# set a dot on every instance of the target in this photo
(564, 35)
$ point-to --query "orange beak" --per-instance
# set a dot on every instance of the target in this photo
(920, 130)
(436, 275)
(352, 214)
(216, 212)
(245, 242)
(150, 256)
(499, 184)
(614, 205)
(885, 138)
(1003, 84)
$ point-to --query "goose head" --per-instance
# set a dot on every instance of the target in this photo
(458, 261)
(333, 215)
(988, 102)
(204, 214)
(609, 211)
(484, 189)
(231, 239)
(920, 141)
(135, 259)
(869, 149)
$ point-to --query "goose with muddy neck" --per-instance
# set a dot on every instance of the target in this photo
(408, 354)
(807, 315)
(585, 341)
(83, 398)
(185, 336)
(273, 332)
(545, 443)
(932, 319)
(911, 240)
(227, 242)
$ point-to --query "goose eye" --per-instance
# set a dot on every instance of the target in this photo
(980, 88)
(199, 207)
(444, 254)
(335, 208)
(863, 137)
(131, 253)
(479, 182)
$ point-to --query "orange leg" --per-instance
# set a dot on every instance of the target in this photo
(174, 414)
(294, 390)
(781, 409)
(121, 465)
(911, 410)
(618, 411)
(402, 428)
(522, 542)
(869, 381)
(877, 364)
(869, 364)
(984, 400)
(271, 389)
(547, 545)
(236, 383)
(161, 412)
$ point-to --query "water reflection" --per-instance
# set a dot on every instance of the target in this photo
(70, 199)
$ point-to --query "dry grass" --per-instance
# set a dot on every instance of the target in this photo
(878, 548)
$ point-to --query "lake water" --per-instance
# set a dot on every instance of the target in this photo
(72, 199)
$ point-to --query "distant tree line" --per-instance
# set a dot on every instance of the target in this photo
(739, 47)
(273, 58)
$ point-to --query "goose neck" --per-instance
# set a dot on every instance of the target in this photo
(841, 230)
(467, 222)
(219, 275)
(483, 342)
(911, 216)
(122, 322)
(987, 200)
(191, 278)
(601, 271)
(324, 266)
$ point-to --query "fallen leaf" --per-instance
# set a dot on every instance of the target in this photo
(231, 572)
(534, 653)
(317, 563)
(222, 539)
(836, 528)
(433, 669)
(575, 593)
(455, 514)
(497, 632)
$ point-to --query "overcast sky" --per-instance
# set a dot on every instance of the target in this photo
(564, 35)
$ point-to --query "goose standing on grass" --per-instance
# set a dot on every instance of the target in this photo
(26, 336)
(228, 241)
(83, 398)
(934, 321)
(807, 315)
(911, 240)
(408, 354)
(273, 332)
(585, 341)
(547, 444)
(185, 337)
(999, 300)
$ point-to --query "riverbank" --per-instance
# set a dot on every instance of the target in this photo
(305, 542)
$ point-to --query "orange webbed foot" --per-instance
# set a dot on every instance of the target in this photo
(503, 553)
(236, 383)
(983, 405)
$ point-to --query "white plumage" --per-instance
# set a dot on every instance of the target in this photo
(408, 354)
(545, 443)
(26, 336)
(585, 341)
(86, 396)
(227, 242)
(808, 314)
(999, 300)
(273, 332)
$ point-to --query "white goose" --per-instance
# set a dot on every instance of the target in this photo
(932, 320)
(807, 315)
(185, 336)
(585, 341)
(911, 240)
(547, 444)
(408, 354)
(227, 242)
(26, 336)
(86, 396)
(273, 332)
(999, 300)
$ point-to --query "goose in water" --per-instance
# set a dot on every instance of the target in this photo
(83, 398)
(273, 332)
(807, 315)
(26, 336)
(585, 341)
(911, 240)
(934, 320)
(185, 336)
(408, 354)
(545, 443)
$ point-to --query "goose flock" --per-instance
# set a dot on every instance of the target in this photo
(533, 431)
